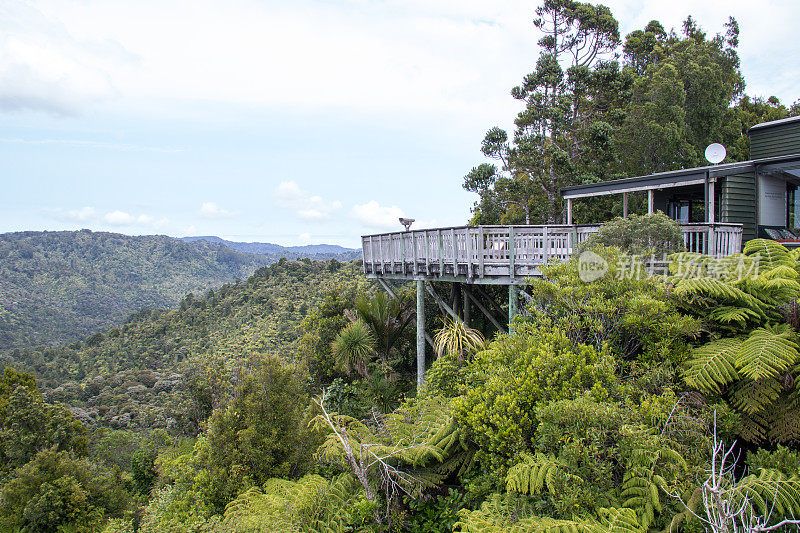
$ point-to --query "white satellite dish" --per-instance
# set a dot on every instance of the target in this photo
(715, 153)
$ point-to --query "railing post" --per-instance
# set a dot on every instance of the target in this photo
(511, 251)
(427, 253)
(712, 241)
(441, 253)
(455, 252)
(481, 249)
(545, 245)
(468, 247)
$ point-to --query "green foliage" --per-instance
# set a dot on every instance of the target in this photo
(457, 340)
(518, 373)
(312, 504)
(756, 369)
(61, 286)
(260, 433)
(738, 292)
(640, 235)
(626, 309)
(782, 459)
(56, 489)
(29, 425)
(353, 347)
(170, 369)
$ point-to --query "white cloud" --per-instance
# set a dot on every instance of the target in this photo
(73, 215)
(401, 55)
(119, 218)
(305, 238)
(81, 143)
(212, 210)
(374, 215)
(306, 206)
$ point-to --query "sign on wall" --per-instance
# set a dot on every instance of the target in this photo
(772, 193)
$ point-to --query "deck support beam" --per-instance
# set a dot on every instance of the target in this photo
(624, 205)
(420, 335)
(442, 303)
(651, 201)
(485, 311)
(569, 210)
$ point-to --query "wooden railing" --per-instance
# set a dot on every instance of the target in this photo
(503, 253)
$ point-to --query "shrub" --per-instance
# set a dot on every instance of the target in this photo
(641, 235)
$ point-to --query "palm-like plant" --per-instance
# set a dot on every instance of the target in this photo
(353, 347)
(458, 340)
(386, 317)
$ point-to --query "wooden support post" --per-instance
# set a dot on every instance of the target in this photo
(710, 207)
(651, 201)
(483, 310)
(513, 297)
(420, 335)
(569, 210)
(624, 205)
(465, 307)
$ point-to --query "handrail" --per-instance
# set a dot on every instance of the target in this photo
(507, 251)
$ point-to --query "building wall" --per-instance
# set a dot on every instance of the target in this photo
(739, 202)
(781, 139)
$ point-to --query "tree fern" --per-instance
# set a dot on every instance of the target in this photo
(535, 473)
(751, 396)
(767, 352)
(712, 366)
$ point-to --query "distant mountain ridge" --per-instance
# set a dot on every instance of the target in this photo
(327, 251)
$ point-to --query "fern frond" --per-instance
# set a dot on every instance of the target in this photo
(726, 314)
(712, 365)
(771, 488)
(771, 253)
(615, 520)
(767, 352)
(534, 473)
(752, 397)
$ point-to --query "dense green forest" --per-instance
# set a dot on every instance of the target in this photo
(123, 377)
(285, 401)
(60, 286)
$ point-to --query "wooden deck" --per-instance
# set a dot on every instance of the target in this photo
(504, 255)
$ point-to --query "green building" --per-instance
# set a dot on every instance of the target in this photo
(760, 194)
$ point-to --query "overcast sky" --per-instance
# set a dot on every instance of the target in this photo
(291, 122)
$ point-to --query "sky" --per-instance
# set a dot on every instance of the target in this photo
(295, 122)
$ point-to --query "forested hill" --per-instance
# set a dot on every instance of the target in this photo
(60, 286)
(313, 251)
(133, 368)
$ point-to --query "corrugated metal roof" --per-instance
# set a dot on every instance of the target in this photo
(774, 123)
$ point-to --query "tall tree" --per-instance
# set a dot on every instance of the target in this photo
(682, 95)
(564, 133)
